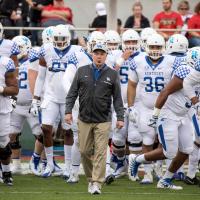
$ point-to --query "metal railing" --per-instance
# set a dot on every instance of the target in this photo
(21, 29)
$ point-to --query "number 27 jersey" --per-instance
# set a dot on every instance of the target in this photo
(151, 78)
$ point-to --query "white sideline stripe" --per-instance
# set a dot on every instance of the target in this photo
(26, 170)
(127, 193)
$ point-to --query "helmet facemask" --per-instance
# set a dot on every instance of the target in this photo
(154, 51)
(130, 45)
(61, 42)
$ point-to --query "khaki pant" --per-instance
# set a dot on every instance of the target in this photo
(93, 141)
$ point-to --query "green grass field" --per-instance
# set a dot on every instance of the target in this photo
(29, 187)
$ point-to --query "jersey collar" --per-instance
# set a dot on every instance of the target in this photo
(153, 66)
(63, 52)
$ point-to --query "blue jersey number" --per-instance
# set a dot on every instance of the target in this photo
(22, 80)
(57, 66)
(154, 84)
(123, 75)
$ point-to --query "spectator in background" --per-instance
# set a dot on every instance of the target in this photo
(55, 14)
(137, 20)
(183, 9)
(194, 23)
(100, 21)
(167, 19)
(36, 7)
(13, 13)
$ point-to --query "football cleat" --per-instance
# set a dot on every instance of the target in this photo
(167, 183)
(148, 179)
(34, 165)
(57, 169)
(133, 167)
(192, 181)
(121, 168)
(48, 171)
(180, 176)
(109, 179)
(7, 178)
(74, 178)
(66, 174)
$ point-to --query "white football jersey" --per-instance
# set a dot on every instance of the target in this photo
(123, 75)
(8, 48)
(7, 65)
(151, 78)
(33, 57)
(24, 96)
(56, 65)
(177, 104)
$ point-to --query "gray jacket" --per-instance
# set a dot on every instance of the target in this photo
(95, 96)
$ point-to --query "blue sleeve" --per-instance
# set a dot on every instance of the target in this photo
(15, 49)
(132, 65)
(42, 52)
(182, 71)
(10, 67)
(73, 59)
(33, 55)
(197, 65)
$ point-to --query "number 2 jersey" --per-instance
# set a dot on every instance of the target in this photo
(56, 61)
(24, 96)
(152, 78)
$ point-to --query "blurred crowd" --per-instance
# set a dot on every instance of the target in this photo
(45, 13)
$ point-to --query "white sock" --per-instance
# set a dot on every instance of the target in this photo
(49, 155)
(168, 174)
(141, 159)
(68, 156)
(75, 158)
(168, 162)
(148, 168)
(5, 168)
(193, 162)
(181, 169)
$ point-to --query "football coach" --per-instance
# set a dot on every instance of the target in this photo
(97, 87)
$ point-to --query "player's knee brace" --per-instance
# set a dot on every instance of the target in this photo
(5, 152)
(136, 146)
(16, 144)
(119, 150)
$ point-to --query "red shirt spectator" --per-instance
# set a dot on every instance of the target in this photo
(57, 11)
(194, 23)
(167, 19)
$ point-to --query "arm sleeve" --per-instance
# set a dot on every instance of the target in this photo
(129, 22)
(179, 21)
(39, 84)
(156, 18)
(68, 77)
(117, 100)
(72, 94)
(189, 82)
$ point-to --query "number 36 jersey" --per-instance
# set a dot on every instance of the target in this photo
(152, 78)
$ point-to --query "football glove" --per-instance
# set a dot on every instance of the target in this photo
(13, 100)
(153, 121)
(133, 114)
(35, 107)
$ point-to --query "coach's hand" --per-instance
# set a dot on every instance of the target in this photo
(68, 119)
(119, 124)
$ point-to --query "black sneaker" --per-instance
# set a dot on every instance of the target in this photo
(7, 178)
(109, 179)
(192, 181)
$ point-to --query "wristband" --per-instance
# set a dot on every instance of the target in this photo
(156, 112)
(1, 89)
